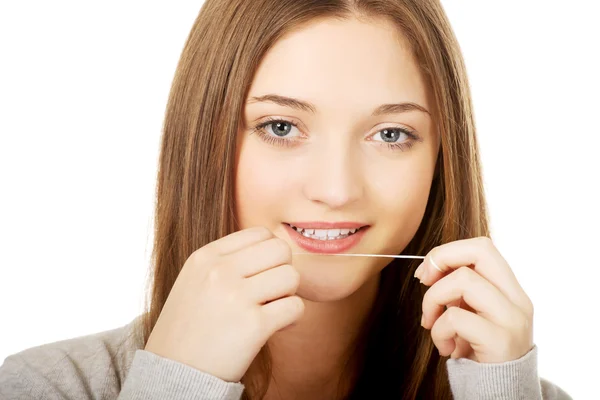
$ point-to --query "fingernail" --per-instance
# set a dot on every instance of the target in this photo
(419, 271)
(434, 264)
(422, 319)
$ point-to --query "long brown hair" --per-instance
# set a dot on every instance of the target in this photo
(194, 198)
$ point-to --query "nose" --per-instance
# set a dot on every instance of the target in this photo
(334, 177)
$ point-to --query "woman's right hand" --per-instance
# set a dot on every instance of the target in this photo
(228, 299)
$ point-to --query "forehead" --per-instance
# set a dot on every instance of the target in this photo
(342, 63)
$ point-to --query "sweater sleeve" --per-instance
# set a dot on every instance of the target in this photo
(34, 376)
(154, 377)
(512, 380)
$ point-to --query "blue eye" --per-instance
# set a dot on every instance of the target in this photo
(391, 135)
(280, 128)
(396, 138)
(277, 132)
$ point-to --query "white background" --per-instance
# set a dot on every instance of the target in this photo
(83, 87)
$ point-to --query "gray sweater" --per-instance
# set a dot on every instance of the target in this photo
(113, 365)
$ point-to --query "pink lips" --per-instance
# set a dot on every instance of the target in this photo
(326, 246)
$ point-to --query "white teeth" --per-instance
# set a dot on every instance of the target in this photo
(322, 233)
(333, 232)
(325, 234)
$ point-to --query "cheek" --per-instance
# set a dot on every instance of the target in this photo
(262, 185)
(400, 200)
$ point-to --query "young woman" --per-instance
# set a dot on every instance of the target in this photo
(296, 130)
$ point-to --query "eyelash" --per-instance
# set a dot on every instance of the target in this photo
(260, 130)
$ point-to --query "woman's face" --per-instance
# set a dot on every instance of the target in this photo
(338, 136)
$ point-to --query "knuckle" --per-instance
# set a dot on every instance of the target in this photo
(262, 232)
(452, 315)
(219, 274)
(299, 305)
(292, 274)
(466, 275)
(485, 241)
(283, 248)
(205, 256)
(231, 297)
(214, 275)
(200, 256)
(529, 308)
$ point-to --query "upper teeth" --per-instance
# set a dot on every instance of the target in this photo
(322, 233)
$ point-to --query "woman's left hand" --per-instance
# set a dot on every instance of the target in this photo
(489, 318)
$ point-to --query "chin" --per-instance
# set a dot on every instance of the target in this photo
(328, 283)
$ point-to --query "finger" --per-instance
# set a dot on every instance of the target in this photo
(273, 284)
(239, 240)
(476, 291)
(479, 332)
(462, 349)
(260, 257)
(460, 303)
(282, 312)
(486, 260)
(454, 303)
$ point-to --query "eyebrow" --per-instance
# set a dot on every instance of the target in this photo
(301, 105)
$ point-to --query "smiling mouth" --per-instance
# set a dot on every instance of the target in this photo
(325, 234)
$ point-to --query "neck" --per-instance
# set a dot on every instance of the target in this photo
(310, 357)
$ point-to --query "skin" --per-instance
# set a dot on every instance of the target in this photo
(336, 167)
